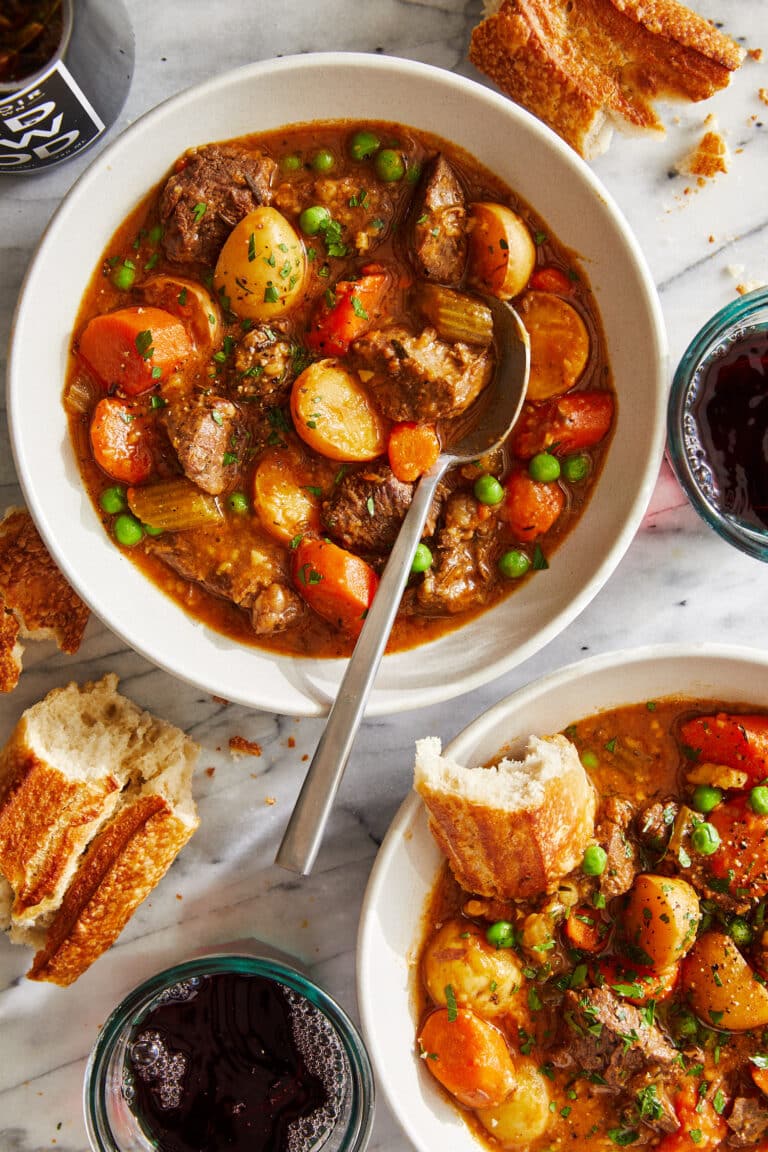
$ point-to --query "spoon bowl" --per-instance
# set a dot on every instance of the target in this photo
(484, 427)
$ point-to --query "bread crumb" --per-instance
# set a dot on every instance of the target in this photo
(270, 800)
(291, 742)
(239, 746)
(755, 54)
(179, 896)
(220, 700)
(711, 239)
(210, 771)
(305, 757)
(763, 94)
(709, 157)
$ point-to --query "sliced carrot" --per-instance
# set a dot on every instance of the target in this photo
(349, 311)
(760, 1077)
(739, 742)
(530, 507)
(563, 425)
(550, 279)
(121, 442)
(741, 861)
(582, 929)
(338, 585)
(638, 984)
(700, 1125)
(412, 449)
(469, 1056)
(134, 348)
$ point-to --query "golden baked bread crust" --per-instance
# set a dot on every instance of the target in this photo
(34, 588)
(581, 65)
(11, 650)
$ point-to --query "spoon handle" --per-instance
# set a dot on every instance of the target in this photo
(302, 838)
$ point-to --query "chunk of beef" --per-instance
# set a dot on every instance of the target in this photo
(651, 1101)
(748, 1122)
(610, 1037)
(439, 217)
(203, 431)
(654, 824)
(367, 507)
(262, 367)
(420, 377)
(229, 182)
(463, 573)
(253, 578)
(622, 864)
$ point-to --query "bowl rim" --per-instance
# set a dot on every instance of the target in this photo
(732, 318)
(411, 812)
(293, 694)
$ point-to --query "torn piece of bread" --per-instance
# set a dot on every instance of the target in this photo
(95, 804)
(585, 66)
(514, 830)
(34, 591)
(709, 156)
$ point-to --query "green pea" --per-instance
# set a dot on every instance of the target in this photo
(501, 934)
(290, 163)
(313, 219)
(151, 530)
(576, 468)
(128, 530)
(705, 839)
(740, 932)
(323, 161)
(594, 861)
(513, 564)
(705, 797)
(363, 145)
(422, 559)
(389, 165)
(544, 467)
(124, 276)
(488, 490)
(758, 800)
(589, 760)
(112, 500)
(238, 502)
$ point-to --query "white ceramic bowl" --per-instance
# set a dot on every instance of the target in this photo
(264, 96)
(407, 865)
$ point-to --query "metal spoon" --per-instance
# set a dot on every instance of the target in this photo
(500, 405)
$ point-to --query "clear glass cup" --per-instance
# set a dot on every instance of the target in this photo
(745, 317)
(113, 1126)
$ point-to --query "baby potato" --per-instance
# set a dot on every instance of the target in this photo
(262, 266)
(190, 301)
(335, 416)
(283, 496)
(722, 988)
(482, 977)
(468, 1056)
(661, 918)
(524, 1115)
(559, 344)
(502, 254)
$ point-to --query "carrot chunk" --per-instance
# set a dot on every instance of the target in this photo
(338, 585)
(531, 507)
(120, 441)
(563, 425)
(412, 449)
(134, 348)
(739, 742)
(349, 311)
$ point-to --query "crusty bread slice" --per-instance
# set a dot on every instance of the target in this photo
(514, 830)
(85, 775)
(34, 588)
(583, 66)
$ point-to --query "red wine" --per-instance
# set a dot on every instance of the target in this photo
(232, 1061)
(731, 417)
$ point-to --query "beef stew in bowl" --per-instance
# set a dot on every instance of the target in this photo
(276, 344)
(265, 96)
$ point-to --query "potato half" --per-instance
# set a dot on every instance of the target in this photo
(262, 267)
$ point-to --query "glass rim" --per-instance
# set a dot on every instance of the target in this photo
(362, 1090)
(751, 540)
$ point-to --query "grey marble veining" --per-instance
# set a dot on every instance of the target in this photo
(677, 582)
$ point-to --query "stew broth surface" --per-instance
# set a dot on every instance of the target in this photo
(377, 223)
(711, 1093)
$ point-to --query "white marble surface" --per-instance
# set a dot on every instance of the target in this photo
(677, 582)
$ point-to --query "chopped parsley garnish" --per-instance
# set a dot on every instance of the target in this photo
(357, 307)
(229, 458)
(370, 506)
(217, 417)
(157, 402)
(623, 1136)
(252, 247)
(540, 562)
(199, 211)
(271, 294)
(450, 1003)
(182, 297)
(143, 343)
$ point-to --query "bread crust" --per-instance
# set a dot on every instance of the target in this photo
(11, 650)
(583, 65)
(128, 858)
(34, 588)
(504, 848)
